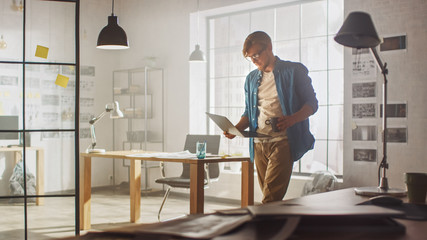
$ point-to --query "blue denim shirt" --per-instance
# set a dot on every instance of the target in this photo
(294, 90)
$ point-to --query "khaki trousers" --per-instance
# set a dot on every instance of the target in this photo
(274, 167)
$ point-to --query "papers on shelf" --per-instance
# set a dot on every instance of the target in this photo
(179, 155)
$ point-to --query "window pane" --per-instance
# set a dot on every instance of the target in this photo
(319, 123)
(11, 90)
(320, 84)
(288, 23)
(12, 226)
(50, 24)
(237, 92)
(336, 122)
(288, 50)
(335, 15)
(239, 29)
(55, 219)
(220, 59)
(54, 151)
(11, 31)
(336, 87)
(221, 92)
(335, 157)
(315, 160)
(314, 54)
(314, 19)
(263, 21)
(48, 105)
(219, 32)
(335, 54)
(212, 92)
(238, 66)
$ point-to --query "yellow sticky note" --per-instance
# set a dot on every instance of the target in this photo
(62, 81)
(42, 51)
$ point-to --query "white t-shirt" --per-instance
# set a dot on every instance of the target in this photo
(268, 106)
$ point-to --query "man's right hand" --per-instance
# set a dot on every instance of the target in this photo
(241, 125)
(229, 135)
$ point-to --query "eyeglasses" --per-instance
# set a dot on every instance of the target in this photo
(255, 56)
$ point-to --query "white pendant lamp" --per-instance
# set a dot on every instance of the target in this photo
(197, 55)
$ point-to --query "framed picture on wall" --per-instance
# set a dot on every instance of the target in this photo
(364, 110)
(397, 135)
(364, 133)
(364, 90)
(365, 155)
(397, 110)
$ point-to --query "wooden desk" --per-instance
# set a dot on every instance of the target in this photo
(347, 197)
(39, 167)
(196, 181)
(415, 230)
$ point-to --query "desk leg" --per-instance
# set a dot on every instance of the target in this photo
(40, 176)
(197, 194)
(135, 190)
(85, 192)
(247, 183)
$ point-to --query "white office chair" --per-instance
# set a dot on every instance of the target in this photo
(211, 170)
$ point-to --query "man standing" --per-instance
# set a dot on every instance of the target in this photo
(280, 89)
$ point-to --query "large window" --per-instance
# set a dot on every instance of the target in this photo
(301, 31)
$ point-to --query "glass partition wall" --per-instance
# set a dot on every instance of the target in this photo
(39, 106)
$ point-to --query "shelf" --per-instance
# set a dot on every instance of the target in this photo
(128, 94)
(140, 91)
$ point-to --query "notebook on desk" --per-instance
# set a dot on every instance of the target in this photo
(226, 126)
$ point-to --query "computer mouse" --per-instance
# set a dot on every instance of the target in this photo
(385, 200)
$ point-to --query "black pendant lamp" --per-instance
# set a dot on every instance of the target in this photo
(112, 36)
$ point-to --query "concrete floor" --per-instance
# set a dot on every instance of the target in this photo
(110, 209)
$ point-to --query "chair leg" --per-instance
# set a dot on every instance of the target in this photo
(163, 203)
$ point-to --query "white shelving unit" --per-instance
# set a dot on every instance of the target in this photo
(140, 93)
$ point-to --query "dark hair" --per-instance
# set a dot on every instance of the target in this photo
(257, 37)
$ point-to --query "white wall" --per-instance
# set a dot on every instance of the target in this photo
(93, 17)
(406, 84)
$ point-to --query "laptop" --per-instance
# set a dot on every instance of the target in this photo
(227, 126)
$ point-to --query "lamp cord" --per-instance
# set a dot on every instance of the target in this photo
(112, 8)
(198, 21)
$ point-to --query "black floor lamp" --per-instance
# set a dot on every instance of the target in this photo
(358, 31)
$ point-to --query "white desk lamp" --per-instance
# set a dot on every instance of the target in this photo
(114, 110)
(358, 31)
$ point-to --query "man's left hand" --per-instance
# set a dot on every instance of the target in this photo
(286, 121)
